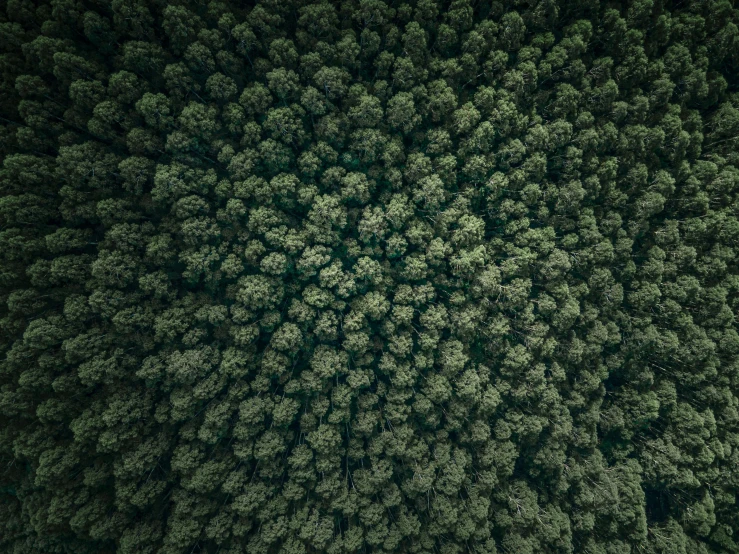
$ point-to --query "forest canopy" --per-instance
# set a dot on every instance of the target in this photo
(422, 276)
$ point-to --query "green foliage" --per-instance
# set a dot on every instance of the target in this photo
(435, 276)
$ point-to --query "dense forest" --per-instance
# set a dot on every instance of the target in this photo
(322, 276)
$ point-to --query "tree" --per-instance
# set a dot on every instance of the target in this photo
(401, 112)
(347, 276)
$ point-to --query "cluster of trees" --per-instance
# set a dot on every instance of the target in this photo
(420, 276)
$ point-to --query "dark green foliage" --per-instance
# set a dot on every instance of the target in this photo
(369, 276)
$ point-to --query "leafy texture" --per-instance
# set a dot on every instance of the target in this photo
(368, 276)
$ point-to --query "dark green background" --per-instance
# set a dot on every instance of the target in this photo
(426, 277)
